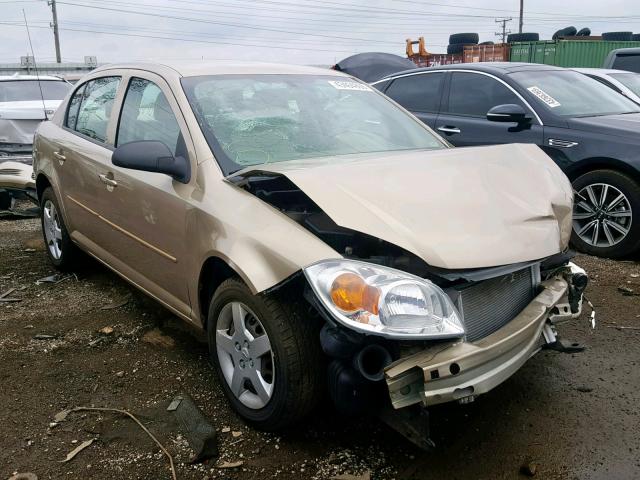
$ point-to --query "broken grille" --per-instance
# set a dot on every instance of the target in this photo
(489, 305)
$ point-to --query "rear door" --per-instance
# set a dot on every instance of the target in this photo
(79, 147)
(463, 115)
(420, 93)
(147, 211)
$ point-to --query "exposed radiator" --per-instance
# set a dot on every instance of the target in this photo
(489, 305)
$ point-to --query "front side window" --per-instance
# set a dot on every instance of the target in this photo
(147, 115)
(473, 94)
(417, 93)
(572, 94)
(95, 108)
(257, 119)
(629, 80)
(30, 90)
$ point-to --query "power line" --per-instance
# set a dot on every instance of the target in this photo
(197, 20)
(280, 47)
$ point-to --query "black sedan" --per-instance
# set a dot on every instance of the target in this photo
(592, 133)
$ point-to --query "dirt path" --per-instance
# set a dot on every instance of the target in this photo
(574, 416)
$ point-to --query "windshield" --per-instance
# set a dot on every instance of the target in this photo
(629, 80)
(24, 90)
(572, 94)
(257, 119)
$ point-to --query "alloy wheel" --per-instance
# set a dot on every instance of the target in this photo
(52, 230)
(601, 215)
(245, 355)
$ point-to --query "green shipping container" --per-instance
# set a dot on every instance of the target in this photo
(566, 53)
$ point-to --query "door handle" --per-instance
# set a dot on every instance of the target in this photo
(445, 129)
(109, 182)
(60, 156)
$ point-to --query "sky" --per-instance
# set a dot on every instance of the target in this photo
(315, 32)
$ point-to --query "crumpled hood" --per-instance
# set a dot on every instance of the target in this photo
(455, 208)
(19, 120)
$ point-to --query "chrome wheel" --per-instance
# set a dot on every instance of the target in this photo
(245, 355)
(52, 230)
(601, 215)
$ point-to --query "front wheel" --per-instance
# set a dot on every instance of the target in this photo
(606, 214)
(267, 354)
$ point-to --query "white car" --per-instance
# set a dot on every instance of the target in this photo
(626, 83)
(25, 101)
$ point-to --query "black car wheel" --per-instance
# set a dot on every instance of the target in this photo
(603, 215)
(267, 354)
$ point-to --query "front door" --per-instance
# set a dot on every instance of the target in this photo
(148, 210)
(463, 116)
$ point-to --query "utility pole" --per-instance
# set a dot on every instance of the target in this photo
(504, 32)
(521, 16)
(54, 25)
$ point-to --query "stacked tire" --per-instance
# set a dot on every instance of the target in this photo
(636, 37)
(565, 32)
(617, 36)
(458, 41)
(523, 37)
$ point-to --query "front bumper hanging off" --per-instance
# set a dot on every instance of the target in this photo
(459, 370)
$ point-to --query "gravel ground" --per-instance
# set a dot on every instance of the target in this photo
(569, 416)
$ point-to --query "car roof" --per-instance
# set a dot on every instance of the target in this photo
(7, 78)
(191, 69)
(626, 51)
(488, 67)
(600, 71)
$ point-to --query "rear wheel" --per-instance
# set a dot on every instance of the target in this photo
(605, 205)
(267, 354)
(60, 249)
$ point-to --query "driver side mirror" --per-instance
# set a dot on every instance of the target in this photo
(152, 156)
(508, 113)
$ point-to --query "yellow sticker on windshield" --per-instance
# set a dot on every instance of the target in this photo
(544, 96)
(347, 85)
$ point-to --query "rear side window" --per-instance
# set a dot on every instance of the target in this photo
(94, 111)
(631, 63)
(417, 93)
(147, 115)
(74, 106)
(474, 94)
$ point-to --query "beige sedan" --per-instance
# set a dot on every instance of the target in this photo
(319, 233)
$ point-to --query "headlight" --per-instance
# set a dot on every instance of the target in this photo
(383, 301)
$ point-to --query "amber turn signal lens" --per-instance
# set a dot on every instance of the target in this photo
(351, 293)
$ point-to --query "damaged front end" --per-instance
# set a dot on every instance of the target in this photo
(461, 370)
(423, 306)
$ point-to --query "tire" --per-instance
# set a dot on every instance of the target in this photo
(523, 37)
(635, 37)
(487, 43)
(296, 361)
(565, 32)
(617, 183)
(617, 36)
(458, 47)
(464, 38)
(584, 32)
(62, 253)
(6, 201)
